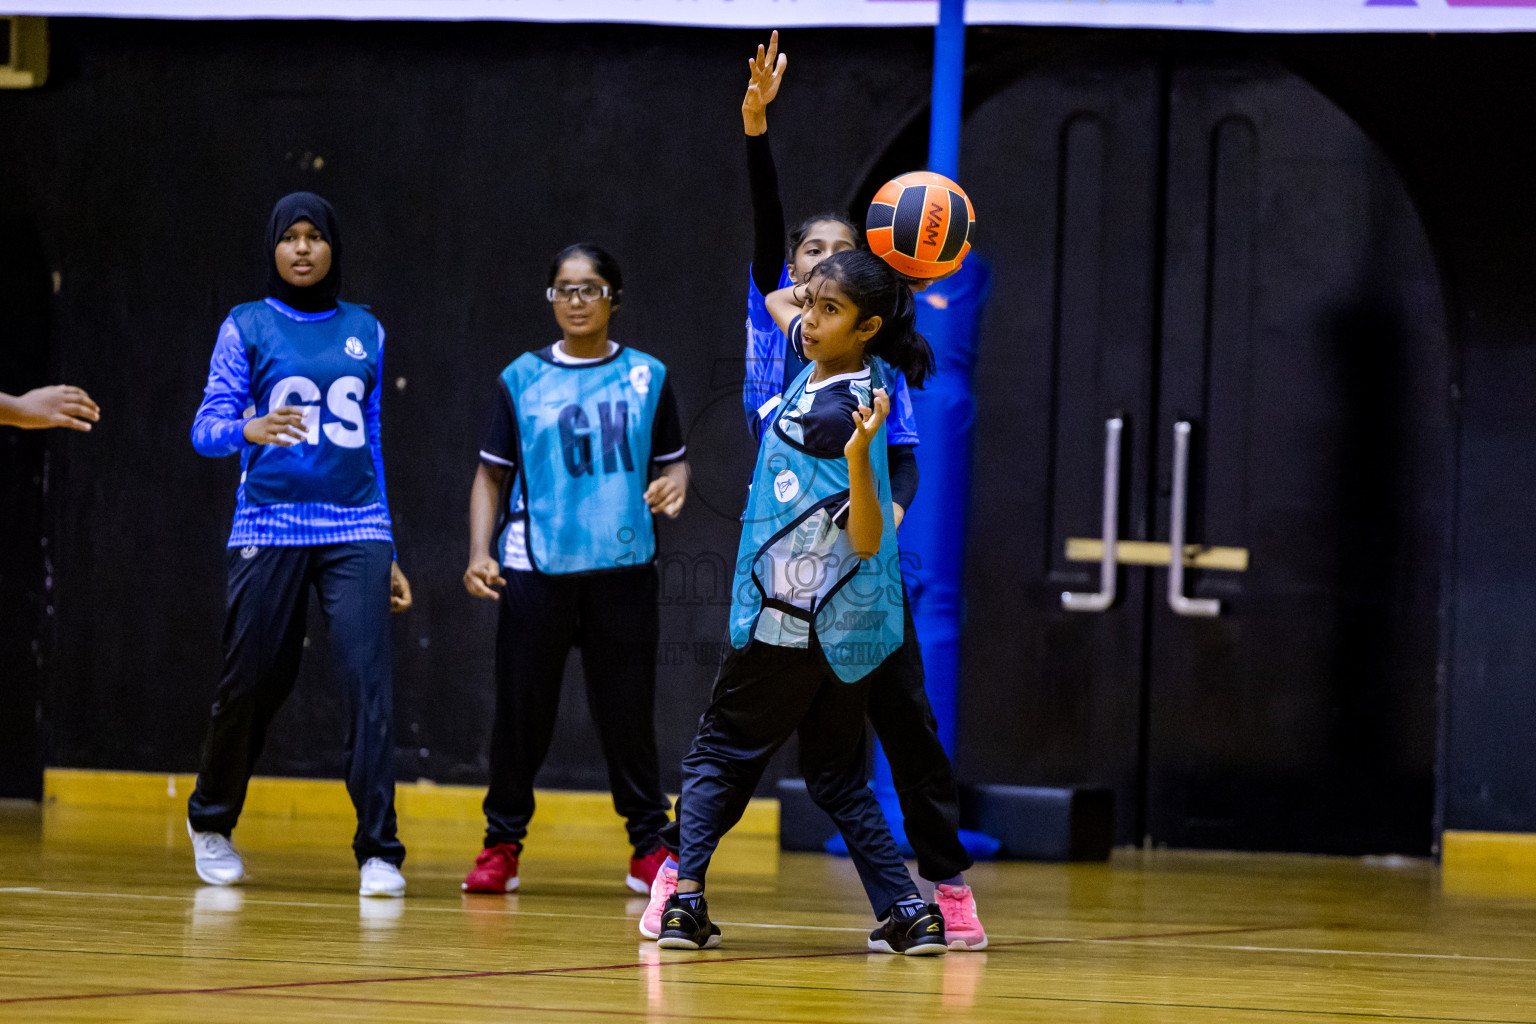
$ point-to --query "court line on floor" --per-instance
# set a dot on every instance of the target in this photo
(417, 907)
(1472, 957)
(648, 1014)
(530, 972)
(661, 1014)
(998, 940)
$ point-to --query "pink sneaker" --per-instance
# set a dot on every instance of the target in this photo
(661, 891)
(961, 925)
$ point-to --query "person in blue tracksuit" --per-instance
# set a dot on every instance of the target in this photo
(816, 605)
(583, 449)
(294, 389)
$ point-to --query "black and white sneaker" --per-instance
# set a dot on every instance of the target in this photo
(685, 924)
(919, 934)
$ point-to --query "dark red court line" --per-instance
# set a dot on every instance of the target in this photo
(533, 972)
(653, 1014)
(648, 1014)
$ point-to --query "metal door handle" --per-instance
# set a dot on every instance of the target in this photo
(1100, 601)
(1194, 607)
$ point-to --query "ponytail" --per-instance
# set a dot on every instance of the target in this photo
(898, 342)
(875, 288)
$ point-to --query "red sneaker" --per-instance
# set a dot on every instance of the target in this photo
(495, 869)
(961, 925)
(642, 870)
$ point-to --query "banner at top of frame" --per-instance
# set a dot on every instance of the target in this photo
(1222, 15)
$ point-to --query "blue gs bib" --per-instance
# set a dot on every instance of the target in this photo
(797, 576)
(327, 367)
(584, 445)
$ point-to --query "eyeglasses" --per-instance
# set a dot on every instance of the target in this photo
(572, 292)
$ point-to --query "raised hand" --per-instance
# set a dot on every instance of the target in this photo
(284, 426)
(766, 71)
(867, 423)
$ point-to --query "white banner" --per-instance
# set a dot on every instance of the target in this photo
(1227, 15)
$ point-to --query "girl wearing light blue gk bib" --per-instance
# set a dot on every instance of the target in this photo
(561, 518)
(816, 607)
(294, 389)
(899, 711)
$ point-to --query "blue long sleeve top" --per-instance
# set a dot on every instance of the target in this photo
(219, 430)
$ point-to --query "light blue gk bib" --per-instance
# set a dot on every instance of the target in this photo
(584, 444)
(797, 576)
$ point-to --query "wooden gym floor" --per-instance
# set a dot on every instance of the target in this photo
(102, 919)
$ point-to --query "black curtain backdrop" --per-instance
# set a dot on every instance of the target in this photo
(460, 158)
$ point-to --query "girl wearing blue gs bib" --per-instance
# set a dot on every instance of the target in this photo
(561, 519)
(816, 606)
(294, 389)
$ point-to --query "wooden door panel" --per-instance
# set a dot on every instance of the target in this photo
(1064, 161)
(1295, 340)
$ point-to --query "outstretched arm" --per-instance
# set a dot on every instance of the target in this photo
(766, 72)
(60, 405)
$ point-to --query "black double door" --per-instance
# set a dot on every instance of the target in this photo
(1206, 254)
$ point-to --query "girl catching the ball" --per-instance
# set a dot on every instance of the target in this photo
(583, 449)
(294, 389)
(815, 606)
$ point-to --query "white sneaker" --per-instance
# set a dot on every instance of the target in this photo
(215, 857)
(381, 878)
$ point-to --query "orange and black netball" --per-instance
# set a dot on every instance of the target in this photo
(921, 224)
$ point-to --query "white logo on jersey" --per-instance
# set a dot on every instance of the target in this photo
(249, 553)
(640, 378)
(355, 348)
(786, 486)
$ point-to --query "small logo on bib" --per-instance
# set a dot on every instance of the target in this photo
(249, 553)
(786, 486)
(355, 348)
(640, 378)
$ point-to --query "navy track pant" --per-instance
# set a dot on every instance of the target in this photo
(762, 695)
(612, 617)
(925, 780)
(268, 602)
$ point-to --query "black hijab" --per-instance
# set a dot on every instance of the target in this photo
(292, 208)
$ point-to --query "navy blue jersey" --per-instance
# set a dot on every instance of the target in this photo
(327, 368)
(328, 489)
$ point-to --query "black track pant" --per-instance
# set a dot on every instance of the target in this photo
(925, 781)
(612, 617)
(761, 696)
(268, 602)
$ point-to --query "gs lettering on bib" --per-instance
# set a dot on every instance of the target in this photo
(584, 446)
(327, 368)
